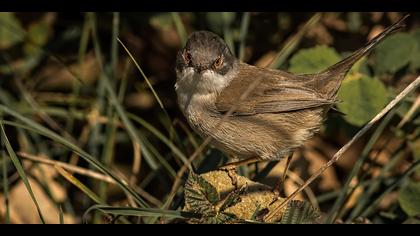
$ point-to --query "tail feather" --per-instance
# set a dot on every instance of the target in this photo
(328, 82)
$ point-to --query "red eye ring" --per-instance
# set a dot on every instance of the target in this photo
(187, 56)
(218, 62)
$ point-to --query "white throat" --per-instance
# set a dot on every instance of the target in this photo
(200, 89)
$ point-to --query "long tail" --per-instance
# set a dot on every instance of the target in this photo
(328, 82)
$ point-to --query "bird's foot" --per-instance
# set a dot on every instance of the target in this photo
(231, 171)
(277, 191)
(230, 168)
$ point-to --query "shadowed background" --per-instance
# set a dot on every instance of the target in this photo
(67, 73)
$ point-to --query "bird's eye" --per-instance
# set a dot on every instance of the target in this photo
(187, 56)
(218, 63)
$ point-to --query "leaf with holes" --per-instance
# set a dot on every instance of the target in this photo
(299, 212)
(313, 60)
(409, 199)
(363, 97)
(200, 195)
(394, 53)
(221, 218)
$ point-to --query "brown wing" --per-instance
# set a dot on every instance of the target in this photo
(275, 92)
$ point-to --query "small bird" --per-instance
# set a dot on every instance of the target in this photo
(280, 112)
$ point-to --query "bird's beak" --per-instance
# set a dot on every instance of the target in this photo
(200, 69)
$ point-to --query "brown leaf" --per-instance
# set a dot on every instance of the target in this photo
(56, 76)
(266, 59)
(328, 180)
(23, 210)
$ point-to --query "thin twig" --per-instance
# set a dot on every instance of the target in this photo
(293, 41)
(410, 112)
(89, 173)
(72, 168)
(311, 196)
(44, 116)
(136, 164)
(340, 152)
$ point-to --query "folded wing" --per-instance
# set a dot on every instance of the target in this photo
(274, 93)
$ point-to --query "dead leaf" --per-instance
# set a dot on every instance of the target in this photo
(354, 197)
(266, 59)
(328, 179)
(47, 174)
(332, 21)
(56, 76)
(376, 30)
(143, 100)
(321, 35)
(23, 210)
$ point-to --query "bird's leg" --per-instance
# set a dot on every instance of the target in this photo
(231, 168)
(277, 189)
(240, 163)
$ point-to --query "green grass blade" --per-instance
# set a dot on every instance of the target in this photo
(111, 128)
(100, 102)
(172, 132)
(374, 186)
(142, 74)
(160, 136)
(227, 30)
(180, 29)
(391, 187)
(73, 180)
(105, 81)
(150, 212)
(20, 170)
(292, 43)
(132, 132)
(76, 85)
(160, 158)
(335, 210)
(114, 44)
(244, 32)
(87, 157)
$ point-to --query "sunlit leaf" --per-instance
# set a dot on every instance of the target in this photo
(299, 212)
(415, 60)
(200, 195)
(409, 198)
(362, 98)
(394, 53)
(313, 60)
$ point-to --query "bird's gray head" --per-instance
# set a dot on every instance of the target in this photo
(203, 51)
